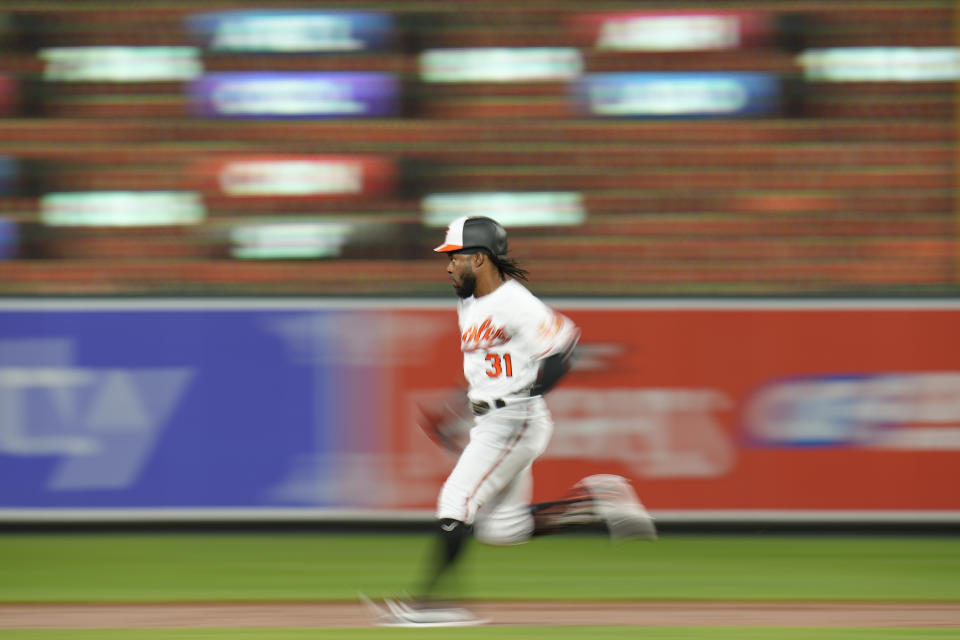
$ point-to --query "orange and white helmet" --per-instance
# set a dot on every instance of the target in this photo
(473, 232)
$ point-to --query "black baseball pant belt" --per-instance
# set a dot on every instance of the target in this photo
(482, 407)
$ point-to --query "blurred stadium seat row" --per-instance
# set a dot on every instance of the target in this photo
(789, 147)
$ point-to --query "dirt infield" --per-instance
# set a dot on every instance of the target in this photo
(350, 614)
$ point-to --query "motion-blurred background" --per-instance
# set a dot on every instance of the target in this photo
(638, 147)
(204, 208)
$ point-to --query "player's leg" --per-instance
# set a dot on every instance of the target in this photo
(606, 499)
(451, 538)
(507, 520)
(575, 510)
(502, 445)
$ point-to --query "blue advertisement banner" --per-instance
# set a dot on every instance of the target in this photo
(678, 94)
(293, 31)
(183, 407)
(265, 94)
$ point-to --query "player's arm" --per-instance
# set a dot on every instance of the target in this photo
(447, 422)
(552, 368)
(562, 336)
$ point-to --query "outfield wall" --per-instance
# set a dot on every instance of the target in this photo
(292, 409)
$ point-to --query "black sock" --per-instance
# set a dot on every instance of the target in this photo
(452, 536)
(544, 506)
(547, 516)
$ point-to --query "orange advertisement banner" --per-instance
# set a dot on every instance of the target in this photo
(779, 406)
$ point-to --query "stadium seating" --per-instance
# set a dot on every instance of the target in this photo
(849, 189)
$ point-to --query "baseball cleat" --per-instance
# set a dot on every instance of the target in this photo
(379, 614)
(406, 614)
(616, 504)
(401, 613)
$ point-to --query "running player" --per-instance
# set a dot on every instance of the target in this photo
(515, 349)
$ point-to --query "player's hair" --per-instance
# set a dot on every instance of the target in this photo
(508, 267)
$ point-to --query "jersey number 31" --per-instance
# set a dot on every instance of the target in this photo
(499, 365)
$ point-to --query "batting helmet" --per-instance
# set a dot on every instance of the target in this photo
(473, 232)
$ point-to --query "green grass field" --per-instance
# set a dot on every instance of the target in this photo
(299, 567)
(123, 568)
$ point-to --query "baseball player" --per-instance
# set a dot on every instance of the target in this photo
(515, 349)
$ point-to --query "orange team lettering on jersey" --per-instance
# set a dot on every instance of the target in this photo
(550, 329)
(483, 336)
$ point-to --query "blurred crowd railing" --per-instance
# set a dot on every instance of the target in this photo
(631, 148)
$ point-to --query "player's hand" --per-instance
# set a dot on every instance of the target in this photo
(448, 423)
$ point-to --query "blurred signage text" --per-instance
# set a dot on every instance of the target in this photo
(513, 209)
(299, 176)
(296, 94)
(121, 64)
(501, 64)
(121, 208)
(293, 30)
(680, 94)
(674, 30)
(877, 411)
(881, 64)
(286, 239)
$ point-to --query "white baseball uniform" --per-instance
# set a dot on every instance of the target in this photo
(503, 335)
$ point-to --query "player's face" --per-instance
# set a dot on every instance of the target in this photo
(460, 270)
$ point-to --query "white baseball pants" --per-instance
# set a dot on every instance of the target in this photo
(492, 483)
